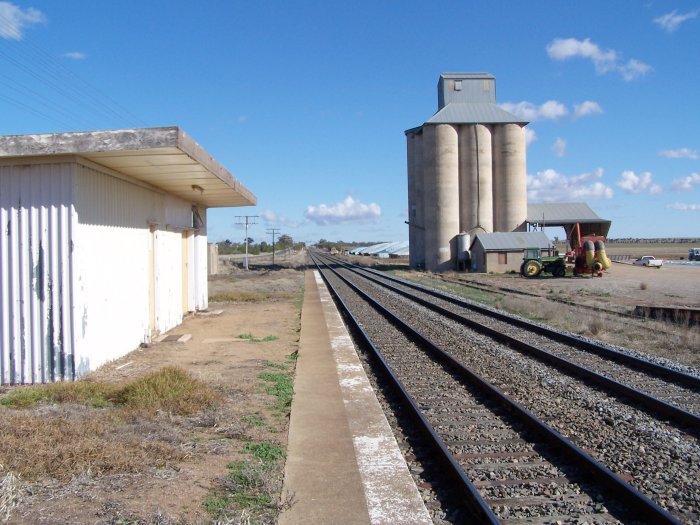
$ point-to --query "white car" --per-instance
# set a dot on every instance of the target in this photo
(649, 260)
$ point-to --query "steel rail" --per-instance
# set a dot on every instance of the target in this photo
(475, 501)
(652, 405)
(608, 353)
(638, 504)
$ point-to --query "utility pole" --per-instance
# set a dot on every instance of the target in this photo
(273, 231)
(246, 220)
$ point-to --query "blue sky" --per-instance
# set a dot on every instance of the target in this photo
(306, 102)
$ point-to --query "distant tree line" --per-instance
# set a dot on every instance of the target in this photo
(282, 242)
(661, 240)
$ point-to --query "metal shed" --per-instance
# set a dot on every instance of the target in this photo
(103, 244)
(567, 215)
(502, 252)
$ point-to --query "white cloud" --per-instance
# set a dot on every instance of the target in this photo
(682, 153)
(686, 183)
(272, 219)
(13, 20)
(347, 211)
(633, 69)
(604, 61)
(684, 207)
(559, 147)
(75, 55)
(530, 136)
(586, 108)
(630, 182)
(550, 110)
(550, 186)
(670, 21)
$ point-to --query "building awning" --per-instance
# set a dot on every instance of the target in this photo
(166, 158)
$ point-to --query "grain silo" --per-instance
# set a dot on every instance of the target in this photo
(466, 170)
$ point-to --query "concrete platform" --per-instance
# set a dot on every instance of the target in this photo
(343, 463)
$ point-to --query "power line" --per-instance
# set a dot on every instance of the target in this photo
(32, 61)
(273, 231)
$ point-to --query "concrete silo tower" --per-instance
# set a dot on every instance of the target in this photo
(466, 170)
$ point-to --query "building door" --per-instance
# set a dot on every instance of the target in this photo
(152, 325)
(185, 271)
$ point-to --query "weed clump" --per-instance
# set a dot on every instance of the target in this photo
(251, 487)
(171, 390)
(250, 337)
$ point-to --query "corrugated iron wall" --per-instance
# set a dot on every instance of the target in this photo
(36, 273)
(113, 264)
(85, 257)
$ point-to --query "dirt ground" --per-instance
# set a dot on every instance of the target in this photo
(623, 285)
(175, 491)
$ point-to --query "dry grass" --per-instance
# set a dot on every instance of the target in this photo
(71, 443)
(126, 434)
(10, 486)
(670, 341)
(249, 297)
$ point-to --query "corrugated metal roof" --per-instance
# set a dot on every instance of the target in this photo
(166, 158)
(474, 113)
(375, 248)
(561, 212)
(401, 252)
(395, 246)
(504, 241)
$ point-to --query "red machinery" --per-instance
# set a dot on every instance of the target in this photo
(587, 252)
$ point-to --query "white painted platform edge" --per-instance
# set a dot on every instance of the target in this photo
(391, 493)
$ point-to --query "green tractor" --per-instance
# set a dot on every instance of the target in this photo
(534, 263)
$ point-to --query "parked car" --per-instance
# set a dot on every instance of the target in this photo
(649, 260)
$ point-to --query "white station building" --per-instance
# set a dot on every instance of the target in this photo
(103, 244)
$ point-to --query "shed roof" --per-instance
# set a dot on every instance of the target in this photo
(561, 212)
(165, 157)
(568, 214)
(508, 241)
(474, 113)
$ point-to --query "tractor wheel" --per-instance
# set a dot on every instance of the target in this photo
(532, 268)
(559, 271)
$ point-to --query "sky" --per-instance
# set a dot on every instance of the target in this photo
(306, 102)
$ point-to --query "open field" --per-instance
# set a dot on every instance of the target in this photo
(658, 250)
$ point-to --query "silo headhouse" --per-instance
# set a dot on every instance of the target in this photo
(466, 171)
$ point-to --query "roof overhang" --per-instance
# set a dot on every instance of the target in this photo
(166, 158)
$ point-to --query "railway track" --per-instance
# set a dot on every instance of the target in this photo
(661, 390)
(513, 469)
